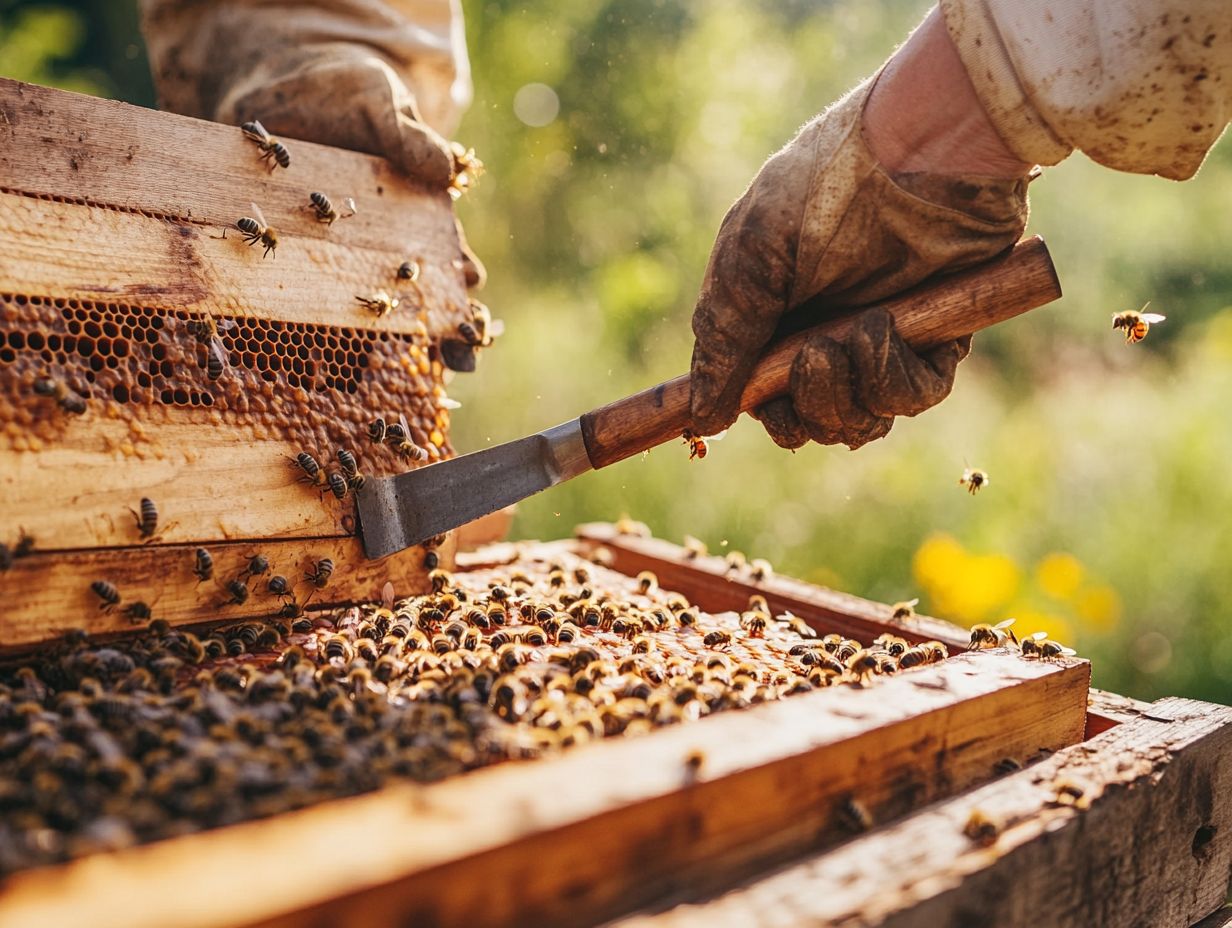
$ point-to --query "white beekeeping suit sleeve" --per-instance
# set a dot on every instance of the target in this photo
(1136, 85)
(386, 78)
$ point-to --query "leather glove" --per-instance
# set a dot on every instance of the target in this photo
(823, 219)
(349, 73)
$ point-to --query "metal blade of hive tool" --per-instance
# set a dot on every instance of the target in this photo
(404, 510)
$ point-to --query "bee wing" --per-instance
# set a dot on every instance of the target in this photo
(1006, 624)
(1038, 636)
(349, 203)
(912, 602)
(496, 328)
(1068, 652)
(406, 429)
(1153, 318)
(257, 214)
(450, 403)
(718, 437)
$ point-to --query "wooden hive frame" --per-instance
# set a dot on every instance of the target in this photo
(106, 209)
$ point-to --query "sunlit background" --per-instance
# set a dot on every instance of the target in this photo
(616, 133)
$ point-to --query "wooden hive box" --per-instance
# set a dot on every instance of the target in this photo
(112, 254)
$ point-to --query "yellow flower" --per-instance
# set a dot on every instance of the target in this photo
(962, 586)
(1059, 575)
(1099, 607)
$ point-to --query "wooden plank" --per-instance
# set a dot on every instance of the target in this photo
(46, 595)
(1153, 848)
(708, 582)
(158, 185)
(169, 264)
(1104, 710)
(595, 831)
(1220, 919)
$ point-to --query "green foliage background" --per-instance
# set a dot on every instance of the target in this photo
(1109, 517)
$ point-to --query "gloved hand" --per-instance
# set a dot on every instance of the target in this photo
(349, 73)
(823, 217)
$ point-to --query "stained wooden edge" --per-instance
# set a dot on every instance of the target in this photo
(414, 852)
(1129, 828)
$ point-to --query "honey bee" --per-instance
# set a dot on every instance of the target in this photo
(467, 169)
(698, 448)
(760, 569)
(350, 470)
(278, 585)
(137, 612)
(694, 548)
(258, 564)
(206, 331)
(324, 209)
(973, 479)
(1070, 793)
(647, 582)
(797, 625)
(990, 636)
(1038, 645)
(901, 612)
(272, 150)
(863, 664)
(376, 430)
(238, 591)
(258, 230)
(935, 651)
(913, 657)
(337, 485)
(203, 565)
(480, 330)
(718, 640)
(107, 593)
(65, 397)
(735, 562)
(313, 475)
(409, 270)
(627, 526)
(321, 571)
(854, 816)
(337, 646)
(397, 436)
(379, 304)
(147, 518)
(1136, 324)
(754, 624)
(983, 828)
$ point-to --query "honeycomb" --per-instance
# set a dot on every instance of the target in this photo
(103, 747)
(308, 385)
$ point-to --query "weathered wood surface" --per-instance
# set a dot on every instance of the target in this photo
(1154, 848)
(103, 200)
(1220, 919)
(938, 311)
(47, 594)
(594, 832)
(708, 582)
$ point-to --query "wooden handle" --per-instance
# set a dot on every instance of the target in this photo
(935, 312)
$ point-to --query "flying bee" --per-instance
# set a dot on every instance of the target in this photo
(272, 150)
(379, 304)
(337, 485)
(973, 479)
(258, 230)
(901, 612)
(321, 205)
(990, 636)
(108, 595)
(147, 518)
(64, 396)
(698, 448)
(467, 169)
(1136, 324)
(718, 640)
(203, 565)
(312, 470)
(320, 573)
(409, 270)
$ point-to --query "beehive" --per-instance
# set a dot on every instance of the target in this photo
(148, 351)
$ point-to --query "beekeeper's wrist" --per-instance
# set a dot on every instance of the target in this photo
(923, 115)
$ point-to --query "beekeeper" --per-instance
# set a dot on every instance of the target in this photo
(922, 168)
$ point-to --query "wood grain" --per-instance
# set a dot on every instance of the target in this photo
(708, 582)
(591, 833)
(46, 595)
(147, 190)
(938, 311)
(1153, 849)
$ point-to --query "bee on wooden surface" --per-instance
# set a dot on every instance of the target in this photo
(735, 562)
(694, 548)
(863, 664)
(467, 169)
(203, 565)
(147, 518)
(853, 816)
(1070, 793)
(797, 625)
(901, 612)
(238, 591)
(272, 150)
(984, 635)
(337, 485)
(312, 473)
(278, 585)
(409, 271)
(982, 828)
(698, 446)
(320, 204)
(135, 612)
(255, 231)
(1038, 645)
(973, 479)
(294, 612)
(380, 304)
(760, 569)
(108, 595)
(754, 624)
(935, 651)
(913, 657)
(647, 582)
(65, 397)
(321, 571)
(718, 640)
(258, 564)
(1136, 324)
